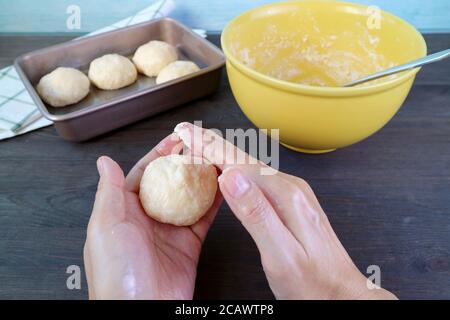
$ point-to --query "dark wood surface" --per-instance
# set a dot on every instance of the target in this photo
(388, 197)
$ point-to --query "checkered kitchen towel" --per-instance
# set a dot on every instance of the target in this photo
(18, 113)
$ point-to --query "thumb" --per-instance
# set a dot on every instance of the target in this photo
(109, 206)
(256, 213)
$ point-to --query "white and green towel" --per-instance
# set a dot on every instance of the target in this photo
(18, 113)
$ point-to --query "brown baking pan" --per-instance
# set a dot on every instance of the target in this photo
(102, 111)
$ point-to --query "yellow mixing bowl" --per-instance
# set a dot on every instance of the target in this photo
(260, 45)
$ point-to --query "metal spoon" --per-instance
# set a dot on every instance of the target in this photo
(410, 65)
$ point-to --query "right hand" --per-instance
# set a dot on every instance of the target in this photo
(300, 253)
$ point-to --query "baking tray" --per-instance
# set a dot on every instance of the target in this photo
(102, 111)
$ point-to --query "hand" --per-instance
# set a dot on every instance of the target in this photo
(300, 253)
(127, 254)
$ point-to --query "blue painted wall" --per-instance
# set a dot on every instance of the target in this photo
(44, 16)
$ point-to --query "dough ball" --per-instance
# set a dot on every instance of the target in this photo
(112, 71)
(63, 86)
(152, 57)
(177, 189)
(175, 70)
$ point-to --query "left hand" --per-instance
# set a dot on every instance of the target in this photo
(127, 254)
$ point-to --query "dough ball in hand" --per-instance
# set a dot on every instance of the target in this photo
(152, 57)
(177, 189)
(175, 70)
(63, 86)
(112, 71)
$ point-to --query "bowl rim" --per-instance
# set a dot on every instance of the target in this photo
(316, 90)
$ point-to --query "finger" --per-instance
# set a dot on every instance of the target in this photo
(293, 201)
(109, 206)
(170, 144)
(258, 216)
(211, 146)
(303, 185)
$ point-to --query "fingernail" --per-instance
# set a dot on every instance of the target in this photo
(100, 165)
(180, 126)
(236, 184)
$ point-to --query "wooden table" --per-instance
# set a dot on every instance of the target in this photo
(388, 198)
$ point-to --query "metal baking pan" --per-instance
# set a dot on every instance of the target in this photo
(102, 111)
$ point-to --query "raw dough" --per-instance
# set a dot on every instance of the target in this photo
(112, 71)
(152, 57)
(63, 86)
(175, 189)
(175, 70)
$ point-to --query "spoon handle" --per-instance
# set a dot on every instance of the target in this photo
(410, 65)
